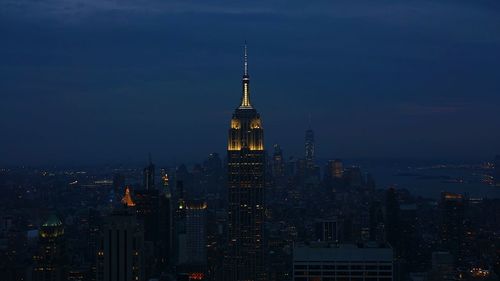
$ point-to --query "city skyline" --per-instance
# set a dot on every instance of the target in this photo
(130, 153)
(405, 80)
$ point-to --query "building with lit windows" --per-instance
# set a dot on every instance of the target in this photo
(120, 250)
(192, 263)
(196, 234)
(246, 167)
(50, 262)
(335, 262)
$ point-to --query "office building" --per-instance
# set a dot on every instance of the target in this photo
(120, 251)
(246, 210)
(50, 262)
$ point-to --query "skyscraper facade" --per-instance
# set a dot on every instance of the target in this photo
(246, 165)
(278, 164)
(452, 230)
(120, 251)
(196, 233)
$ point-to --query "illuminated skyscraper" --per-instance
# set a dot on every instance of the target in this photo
(246, 164)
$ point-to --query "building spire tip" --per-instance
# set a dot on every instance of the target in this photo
(246, 60)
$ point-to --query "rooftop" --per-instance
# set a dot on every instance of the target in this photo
(342, 252)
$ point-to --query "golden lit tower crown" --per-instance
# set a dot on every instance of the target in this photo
(246, 127)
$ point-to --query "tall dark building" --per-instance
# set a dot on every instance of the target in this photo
(309, 148)
(308, 169)
(120, 252)
(147, 203)
(278, 164)
(392, 211)
(149, 175)
(452, 208)
(165, 228)
(246, 165)
(192, 241)
(213, 173)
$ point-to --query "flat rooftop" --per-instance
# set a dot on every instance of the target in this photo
(321, 252)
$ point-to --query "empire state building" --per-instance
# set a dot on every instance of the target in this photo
(246, 163)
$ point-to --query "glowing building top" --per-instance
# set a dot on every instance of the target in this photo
(127, 198)
(246, 127)
(52, 228)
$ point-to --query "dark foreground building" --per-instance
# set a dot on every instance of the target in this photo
(245, 156)
(330, 262)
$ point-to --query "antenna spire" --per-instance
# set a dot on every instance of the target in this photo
(245, 99)
(246, 60)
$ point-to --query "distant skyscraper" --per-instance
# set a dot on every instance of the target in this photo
(309, 148)
(278, 164)
(120, 254)
(334, 170)
(246, 165)
(196, 234)
(452, 222)
(149, 175)
(213, 173)
(50, 263)
(308, 171)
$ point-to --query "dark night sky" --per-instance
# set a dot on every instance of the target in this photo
(96, 81)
